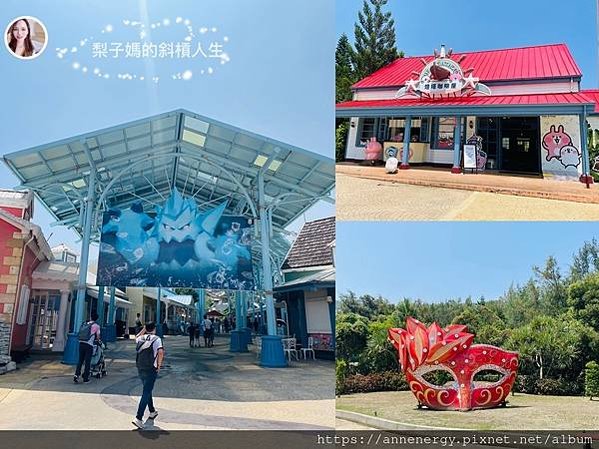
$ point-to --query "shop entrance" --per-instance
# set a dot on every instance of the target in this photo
(512, 144)
(43, 319)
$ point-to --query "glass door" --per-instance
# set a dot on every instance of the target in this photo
(520, 151)
(43, 320)
(488, 129)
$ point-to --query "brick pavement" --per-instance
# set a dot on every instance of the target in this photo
(368, 199)
(491, 183)
(200, 388)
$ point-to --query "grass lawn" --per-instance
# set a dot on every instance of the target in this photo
(522, 413)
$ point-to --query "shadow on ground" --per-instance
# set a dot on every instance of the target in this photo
(189, 373)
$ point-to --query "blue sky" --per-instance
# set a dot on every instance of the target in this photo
(468, 25)
(279, 81)
(436, 261)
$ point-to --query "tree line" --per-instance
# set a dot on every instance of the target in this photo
(552, 321)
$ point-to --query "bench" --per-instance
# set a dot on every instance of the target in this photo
(20, 352)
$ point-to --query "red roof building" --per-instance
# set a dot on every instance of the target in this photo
(518, 110)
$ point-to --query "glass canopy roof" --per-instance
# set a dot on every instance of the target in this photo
(142, 161)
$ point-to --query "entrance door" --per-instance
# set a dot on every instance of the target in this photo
(519, 145)
(43, 320)
(488, 129)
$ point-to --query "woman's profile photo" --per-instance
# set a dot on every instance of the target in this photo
(26, 37)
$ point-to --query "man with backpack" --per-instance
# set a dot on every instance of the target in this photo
(191, 329)
(207, 326)
(150, 354)
(89, 332)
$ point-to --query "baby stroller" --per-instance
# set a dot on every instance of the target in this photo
(98, 364)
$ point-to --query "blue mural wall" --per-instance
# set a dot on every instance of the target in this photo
(176, 246)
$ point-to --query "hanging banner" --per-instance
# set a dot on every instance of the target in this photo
(177, 246)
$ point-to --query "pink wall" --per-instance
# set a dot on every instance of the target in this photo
(30, 262)
(16, 211)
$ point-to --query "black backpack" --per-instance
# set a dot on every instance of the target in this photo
(85, 331)
(145, 357)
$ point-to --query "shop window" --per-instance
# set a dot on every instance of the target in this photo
(443, 133)
(396, 128)
(366, 130)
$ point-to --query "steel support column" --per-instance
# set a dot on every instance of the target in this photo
(71, 352)
(247, 331)
(238, 341)
(158, 319)
(272, 354)
(200, 305)
(457, 137)
(110, 320)
(101, 311)
(585, 177)
(407, 136)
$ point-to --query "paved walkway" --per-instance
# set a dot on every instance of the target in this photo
(361, 198)
(205, 388)
(491, 183)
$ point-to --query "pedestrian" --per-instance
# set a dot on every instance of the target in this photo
(191, 329)
(89, 333)
(196, 335)
(227, 325)
(138, 324)
(207, 325)
(150, 354)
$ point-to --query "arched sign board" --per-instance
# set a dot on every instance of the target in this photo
(443, 77)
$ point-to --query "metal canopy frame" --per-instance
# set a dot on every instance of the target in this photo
(141, 161)
(272, 182)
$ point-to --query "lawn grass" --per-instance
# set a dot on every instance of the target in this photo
(522, 413)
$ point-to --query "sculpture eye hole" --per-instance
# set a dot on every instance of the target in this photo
(487, 377)
(438, 378)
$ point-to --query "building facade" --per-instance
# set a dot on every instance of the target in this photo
(22, 249)
(308, 291)
(518, 110)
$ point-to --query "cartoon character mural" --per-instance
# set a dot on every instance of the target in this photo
(179, 247)
(422, 350)
(559, 146)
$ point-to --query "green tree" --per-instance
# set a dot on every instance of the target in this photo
(591, 379)
(380, 355)
(345, 74)
(374, 38)
(341, 140)
(351, 336)
(585, 261)
(553, 346)
(554, 294)
(583, 297)
(521, 304)
(366, 305)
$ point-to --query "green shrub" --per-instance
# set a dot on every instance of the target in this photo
(553, 387)
(591, 379)
(340, 141)
(386, 381)
(547, 387)
(341, 370)
(525, 384)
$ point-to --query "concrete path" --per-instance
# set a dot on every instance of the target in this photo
(200, 388)
(359, 198)
(492, 183)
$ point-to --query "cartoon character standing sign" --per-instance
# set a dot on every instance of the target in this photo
(559, 146)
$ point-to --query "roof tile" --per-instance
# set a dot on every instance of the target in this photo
(312, 246)
(525, 63)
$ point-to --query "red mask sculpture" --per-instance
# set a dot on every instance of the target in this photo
(423, 350)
